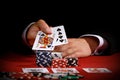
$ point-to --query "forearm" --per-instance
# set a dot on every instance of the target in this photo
(97, 43)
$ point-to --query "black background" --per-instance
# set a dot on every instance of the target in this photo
(78, 20)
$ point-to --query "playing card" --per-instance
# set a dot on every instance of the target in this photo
(43, 41)
(65, 70)
(60, 36)
(97, 70)
(49, 41)
(42, 70)
(56, 55)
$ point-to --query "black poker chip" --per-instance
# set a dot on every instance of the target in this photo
(72, 62)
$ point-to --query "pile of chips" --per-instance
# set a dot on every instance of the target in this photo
(44, 45)
(20, 76)
(38, 76)
(54, 60)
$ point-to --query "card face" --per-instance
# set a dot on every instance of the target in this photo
(43, 41)
(97, 70)
(42, 70)
(60, 36)
(49, 41)
(65, 70)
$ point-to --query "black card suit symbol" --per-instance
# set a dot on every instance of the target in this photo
(57, 39)
(42, 34)
(60, 37)
(58, 29)
(49, 46)
(56, 55)
(61, 40)
(59, 33)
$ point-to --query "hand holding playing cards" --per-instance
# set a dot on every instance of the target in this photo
(40, 25)
(75, 47)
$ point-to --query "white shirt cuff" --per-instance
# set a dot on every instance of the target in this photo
(24, 34)
(102, 44)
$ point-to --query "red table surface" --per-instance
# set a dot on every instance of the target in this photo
(14, 62)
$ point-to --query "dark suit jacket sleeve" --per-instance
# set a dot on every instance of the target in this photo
(112, 40)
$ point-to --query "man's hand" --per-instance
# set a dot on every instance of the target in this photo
(33, 30)
(78, 47)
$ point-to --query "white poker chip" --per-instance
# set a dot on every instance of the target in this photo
(54, 75)
(47, 76)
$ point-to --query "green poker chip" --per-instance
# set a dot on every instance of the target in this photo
(71, 77)
(54, 75)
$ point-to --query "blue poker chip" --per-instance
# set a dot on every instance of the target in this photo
(43, 58)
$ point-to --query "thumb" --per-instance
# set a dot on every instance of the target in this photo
(44, 26)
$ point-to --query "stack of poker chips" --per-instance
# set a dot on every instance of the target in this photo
(54, 60)
(43, 58)
(59, 63)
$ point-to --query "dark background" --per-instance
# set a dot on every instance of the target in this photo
(77, 19)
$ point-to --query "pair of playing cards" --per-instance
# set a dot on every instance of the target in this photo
(42, 70)
(97, 70)
(65, 70)
(45, 41)
(54, 70)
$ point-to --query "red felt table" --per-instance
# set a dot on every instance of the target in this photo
(14, 62)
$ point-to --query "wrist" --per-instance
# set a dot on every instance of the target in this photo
(24, 34)
(93, 42)
(96, 41)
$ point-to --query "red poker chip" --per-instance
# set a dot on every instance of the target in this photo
(57, 63)
(20, 76)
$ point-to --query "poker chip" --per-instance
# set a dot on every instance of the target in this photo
(72, 62)
(43, 58)
(21, 76)
(4, 76)
(46, 58)
(54, 76)
(44, 45)
(71, 77)
(59, 63)
(38, 76)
